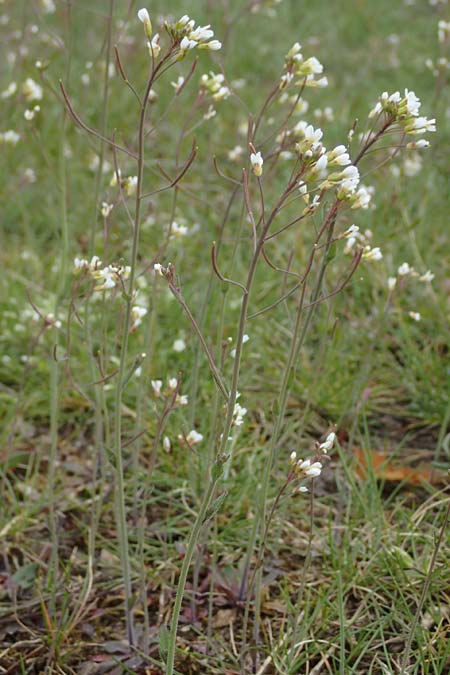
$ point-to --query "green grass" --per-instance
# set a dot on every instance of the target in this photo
(340, 598)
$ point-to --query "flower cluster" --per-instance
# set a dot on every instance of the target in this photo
(137, 314)
(168, 392)
(443, 31)
(9, 91)
(305, 70)
(355, 237)
(106, 278)
(214, 85)
(311, 468)
(405, 270)
(238, 415)
(305, 468)
(189, 37)
(129, 183)
(403, 111)
(30, 114)
(31, 90)
(10, 136)
(317, 161)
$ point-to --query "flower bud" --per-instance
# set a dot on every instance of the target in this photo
(144, 16)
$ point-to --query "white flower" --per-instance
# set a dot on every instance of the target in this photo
(321, 164)
(80, 264)
(417, 145)
(257, 163)
(10, 136)
(443, 31)
(412, 164)
(182, 22)
(351, 231)
(286, 79)
(405, 270)
(154, 47)
(313, 206)
(411, 103)
(31, 114)
(193, 437)
(235, 153)
(179, 230)
(32, 91)
(351, 173)
(166, 444)
(9, 91)
(172, 383)
(328, 443)
(303, 188)
(144, 16)
(137, 314)
(312, 135)
(428, 276)
(325, 114)
(29, 175)
(309, 469)
(201, 33)
(420, 125)
(106, 209)
(178, 84)
(214, 84)
(95, 263)
(312, 65)
(372, 254)
(159, 269)
(314, 470)
(415, 316)
(210, 113)
(238, 415)
(339, 156)
(156, 386)
(187, 44)
(48, 6)
(391, 283)
(362, 198)
(321, 83)
(130, 185)
(214, 45)
(179, 345)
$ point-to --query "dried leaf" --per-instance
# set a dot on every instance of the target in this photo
(224, 617)
(383, 468)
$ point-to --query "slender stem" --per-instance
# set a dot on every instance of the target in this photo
(214, 370)
(104, 115)
(54, 366)
(288, 375)
(120, 482)
(195, 532)
(403, 667)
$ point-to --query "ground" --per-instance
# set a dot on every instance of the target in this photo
(347, 578)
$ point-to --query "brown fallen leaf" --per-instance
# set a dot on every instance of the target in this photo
(384, 468)
(224, 617)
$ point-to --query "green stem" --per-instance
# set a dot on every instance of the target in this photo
(193, 538)
(288, 376)
(403, 668)
(120, 481)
